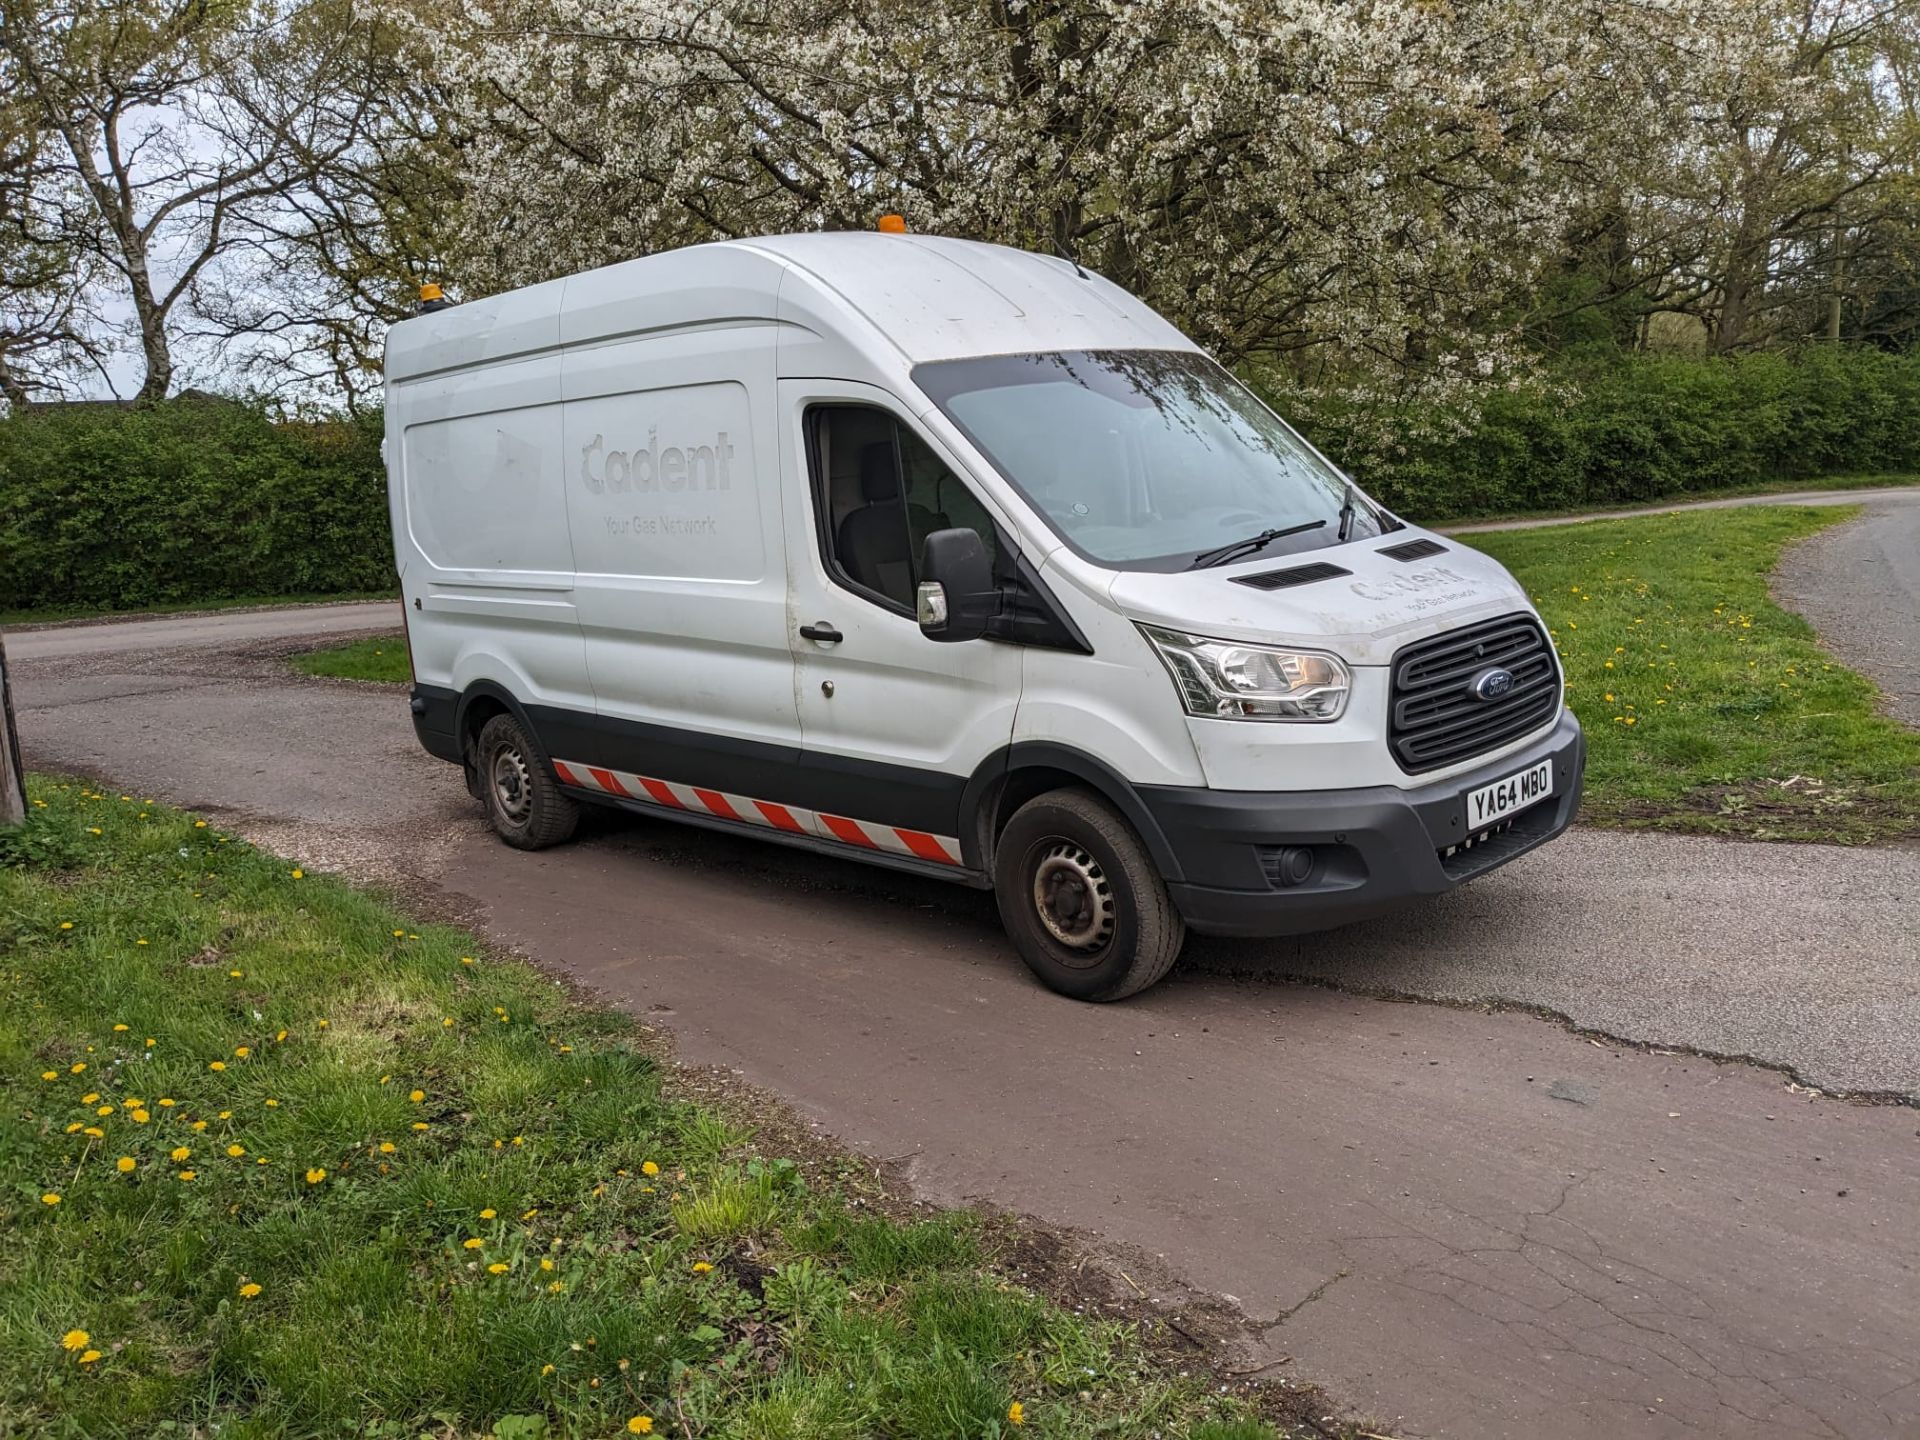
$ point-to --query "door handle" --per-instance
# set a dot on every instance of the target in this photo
(821, 631)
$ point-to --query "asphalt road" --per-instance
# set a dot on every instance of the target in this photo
(1859, 584)
(1464, 1223)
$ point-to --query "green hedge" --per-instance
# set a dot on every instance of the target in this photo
(1628, 428)
(197, 499)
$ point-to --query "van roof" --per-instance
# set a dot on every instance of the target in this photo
(928, 296)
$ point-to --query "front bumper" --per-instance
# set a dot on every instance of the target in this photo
(1370, 849)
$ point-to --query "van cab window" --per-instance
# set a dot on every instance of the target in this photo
(879, 491)
(1148, 459)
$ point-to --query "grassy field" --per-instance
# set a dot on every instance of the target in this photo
(380, 657)
(185, 607)
(1707, 706)
(277, 1161)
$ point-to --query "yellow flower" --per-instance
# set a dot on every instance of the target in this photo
(545, 1263)
(488, 1213)
(66, 924)
(701, 1267)
(90, 1098)
(316, 1175)
(299, 874)
(387, 1147)
(120, 1029)
(417, 1096)
(188, 1174)
(497, 1268)
(279, 1035)
(104, 1110)
(531, 1213)
(49, 1074)
(473, 1244)
(446, 1021)
(243, 1051)
(126, 1164)
(179, 1153)
(95, 1131)
(75, 1340)
(236, 1151)
(640, 1425)
(647, 1167)
(77, 1067)
(1016, 1414)
(249, 1290)
(87, 1357)
(141, 1117)
(420, 1125)
(271, 1103)
(466, 959)
(216, 1065)
(322, 1024)
(50, 1198)
(546, 1369)
(199, 1125)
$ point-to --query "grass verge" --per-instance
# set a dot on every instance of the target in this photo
(59, 614)
(379, 657)
(277, 1162)
(1707, 707)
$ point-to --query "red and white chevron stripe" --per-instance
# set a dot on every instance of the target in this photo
(671, 795)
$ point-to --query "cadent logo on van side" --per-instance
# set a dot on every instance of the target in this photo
(696, 467)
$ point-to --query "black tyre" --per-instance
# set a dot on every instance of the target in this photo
(1081, 899)
(524, 801)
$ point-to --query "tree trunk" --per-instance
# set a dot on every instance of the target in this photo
(153, 325)
(13, 779)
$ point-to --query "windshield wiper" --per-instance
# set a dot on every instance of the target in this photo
(1208, 558)
(1346, 515)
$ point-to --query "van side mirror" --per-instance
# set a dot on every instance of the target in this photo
(957, 596)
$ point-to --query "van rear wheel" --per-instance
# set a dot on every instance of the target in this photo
(524, 800)
(1081, 899)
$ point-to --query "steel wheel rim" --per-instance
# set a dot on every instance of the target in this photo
(512, 785)
(1073, 899)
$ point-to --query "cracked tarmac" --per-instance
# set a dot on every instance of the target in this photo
(1462, 1222)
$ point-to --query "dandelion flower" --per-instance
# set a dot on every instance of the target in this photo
(640, 1425)
(488, 1213)
(701, 1267)
(78, 1067)
(497, 1268)
(387, 1147)
(120, 1029)
(546, 1369)
(474, 1244)
(243, 1051)
(236, 1151)
(141, 1117)
(179, 1153)
(216, 1065)
(299, 874)
(75, 1340)
(50, 1198)
(647, 1167)
(1016, 1414)
(466, 959)
(250, 1289)
(126, 1164)
(189, 1175)
(316, 1175)
(417, 1096)
(420, 1125)
(545, 1263)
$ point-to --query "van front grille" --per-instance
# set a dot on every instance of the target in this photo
(1435, 718)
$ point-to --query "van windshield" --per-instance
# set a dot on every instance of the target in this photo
(1148, 459)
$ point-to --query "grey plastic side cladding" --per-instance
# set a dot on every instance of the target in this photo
(1097, 776)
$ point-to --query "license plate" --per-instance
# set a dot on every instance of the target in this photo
(1492, 803)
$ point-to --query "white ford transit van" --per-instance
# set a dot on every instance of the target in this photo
(956, 559)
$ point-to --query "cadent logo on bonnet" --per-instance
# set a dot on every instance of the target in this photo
(693, 467)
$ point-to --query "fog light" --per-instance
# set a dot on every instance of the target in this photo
(1292, 866)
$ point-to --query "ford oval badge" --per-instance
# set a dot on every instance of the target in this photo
(1492, 684)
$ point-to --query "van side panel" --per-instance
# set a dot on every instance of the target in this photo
(480, 530)
(673, 497)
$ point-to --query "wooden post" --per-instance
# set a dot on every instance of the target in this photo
(13, 779)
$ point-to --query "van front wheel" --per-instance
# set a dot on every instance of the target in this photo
(1081, 900)
(524, 800)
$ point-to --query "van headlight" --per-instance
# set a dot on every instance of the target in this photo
(1230, 680)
